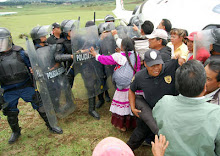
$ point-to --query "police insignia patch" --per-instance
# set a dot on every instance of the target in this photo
(168, 79)
(133, 79)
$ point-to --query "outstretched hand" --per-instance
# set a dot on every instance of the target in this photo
(93, 52)
(160, 145)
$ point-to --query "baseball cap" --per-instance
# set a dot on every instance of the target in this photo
(153, 57)
(55, 25)
(158, 33)
(191, 35)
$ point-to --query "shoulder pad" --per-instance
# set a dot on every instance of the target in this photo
(60, 40)
(16, 48)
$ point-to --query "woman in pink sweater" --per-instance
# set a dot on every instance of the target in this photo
(127, 64)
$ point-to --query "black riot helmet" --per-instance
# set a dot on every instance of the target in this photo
(109, 18)
(38, 32)
(67, 25)
(5, 40)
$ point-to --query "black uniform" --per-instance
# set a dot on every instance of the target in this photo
(154, 89)
(52, 39)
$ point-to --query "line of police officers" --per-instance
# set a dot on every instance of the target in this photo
(16, 75)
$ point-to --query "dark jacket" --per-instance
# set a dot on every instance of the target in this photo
(165, 53)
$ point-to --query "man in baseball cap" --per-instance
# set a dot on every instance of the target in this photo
(158, 41)
(156, 80)
(55, 35)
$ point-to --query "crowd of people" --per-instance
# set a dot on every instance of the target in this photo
(166, 81)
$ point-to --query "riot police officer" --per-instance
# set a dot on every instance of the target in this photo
(16, 80)
(55, 36)
(66, 27)
(49, 59)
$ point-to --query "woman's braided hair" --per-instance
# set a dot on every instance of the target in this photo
(128, 45)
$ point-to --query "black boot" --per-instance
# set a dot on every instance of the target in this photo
(55, 129)
(16, 130)
(92, 111)
(107, 97)
(101, 100)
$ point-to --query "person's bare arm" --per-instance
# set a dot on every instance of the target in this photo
(131, 97)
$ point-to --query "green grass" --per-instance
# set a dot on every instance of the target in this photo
(81, 131)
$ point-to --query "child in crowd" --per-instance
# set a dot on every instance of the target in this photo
(127, 64)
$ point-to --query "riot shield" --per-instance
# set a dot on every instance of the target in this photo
(87, 71)
(51, 82)
(201, 44)
(127, 31)
(107, 47)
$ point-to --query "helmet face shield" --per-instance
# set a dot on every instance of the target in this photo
(5, 43)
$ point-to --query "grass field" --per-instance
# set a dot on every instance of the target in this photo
(81, 131)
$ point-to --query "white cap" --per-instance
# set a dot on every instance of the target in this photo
(158, 33)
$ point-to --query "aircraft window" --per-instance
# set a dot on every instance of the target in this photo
(216, 9)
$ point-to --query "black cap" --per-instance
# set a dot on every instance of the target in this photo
(152, 57)
(55, 25)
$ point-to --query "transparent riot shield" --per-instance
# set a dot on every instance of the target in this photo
(201, 44)
(107, 47)
(127, 31)
(51, 82)
(39, 78)
(87, 71)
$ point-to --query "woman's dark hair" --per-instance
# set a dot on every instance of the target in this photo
(128, 45)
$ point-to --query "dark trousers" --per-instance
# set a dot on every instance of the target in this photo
(146, 113)
(138, 135)
(146, 125)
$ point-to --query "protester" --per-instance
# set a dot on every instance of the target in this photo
(201, 53)
(112, 146)
(141, 43)
(213, 81)
(156, 80)
(179, 49)
(187, 120)
(159, 145)
(158, 41)
(127, 63)
(166, 25)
